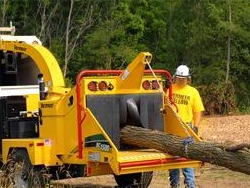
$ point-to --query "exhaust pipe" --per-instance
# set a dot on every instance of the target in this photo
(42, 90)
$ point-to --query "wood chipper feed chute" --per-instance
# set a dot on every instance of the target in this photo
(126, 103)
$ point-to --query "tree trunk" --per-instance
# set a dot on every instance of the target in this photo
(66, 59)
(236, 157)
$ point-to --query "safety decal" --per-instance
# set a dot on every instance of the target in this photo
(125, 74)
(94, 156)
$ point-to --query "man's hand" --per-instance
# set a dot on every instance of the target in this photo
(167, 83)
(196, 129)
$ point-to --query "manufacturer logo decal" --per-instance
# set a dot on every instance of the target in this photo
(98, 141)
(103, 147)
(19, 48)
(46, 105)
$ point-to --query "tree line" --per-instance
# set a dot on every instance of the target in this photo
(211, 37)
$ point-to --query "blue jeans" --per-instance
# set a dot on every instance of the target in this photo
(188, 177)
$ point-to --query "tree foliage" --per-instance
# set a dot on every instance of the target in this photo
(206, 35)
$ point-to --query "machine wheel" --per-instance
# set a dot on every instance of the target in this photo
(135, 180)
(23, 173)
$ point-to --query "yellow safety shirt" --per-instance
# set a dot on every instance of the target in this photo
(188, 101)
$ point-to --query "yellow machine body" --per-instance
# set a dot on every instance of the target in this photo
(80, 125)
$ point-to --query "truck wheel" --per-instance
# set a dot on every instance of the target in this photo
(22, 173)
(135, 180)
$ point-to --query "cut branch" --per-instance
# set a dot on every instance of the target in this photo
(238, 147)
(236, 158)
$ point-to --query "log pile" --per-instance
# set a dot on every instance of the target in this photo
(233, 157)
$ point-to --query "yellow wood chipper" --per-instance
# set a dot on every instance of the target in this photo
(51, 129)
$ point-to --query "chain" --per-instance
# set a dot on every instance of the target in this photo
(161, 89)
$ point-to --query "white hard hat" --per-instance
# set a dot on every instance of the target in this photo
(182, 71)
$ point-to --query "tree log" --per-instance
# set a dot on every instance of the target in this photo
(236, 158)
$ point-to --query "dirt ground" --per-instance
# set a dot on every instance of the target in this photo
(233, 129)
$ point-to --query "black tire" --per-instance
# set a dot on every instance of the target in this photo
(135, 180)
(23, 173)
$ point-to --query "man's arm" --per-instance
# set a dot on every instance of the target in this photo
(197, 120)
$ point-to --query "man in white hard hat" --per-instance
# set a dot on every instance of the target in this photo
(190, 107)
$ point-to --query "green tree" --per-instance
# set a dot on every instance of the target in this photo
(211, 37)
(112, 44)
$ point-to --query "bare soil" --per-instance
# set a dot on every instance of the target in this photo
(226, 129)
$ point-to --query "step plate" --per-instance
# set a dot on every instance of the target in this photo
(146, 160)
